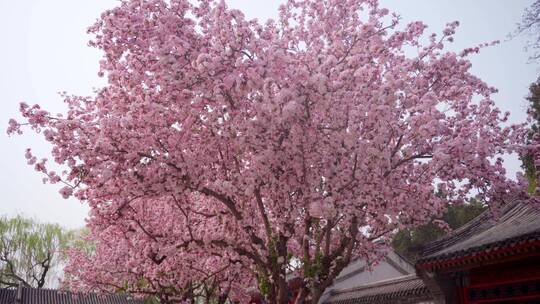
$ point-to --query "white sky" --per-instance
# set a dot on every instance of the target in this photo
(43, 50)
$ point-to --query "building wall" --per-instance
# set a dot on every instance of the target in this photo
(357, 273)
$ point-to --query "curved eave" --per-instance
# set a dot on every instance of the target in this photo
(514, 249)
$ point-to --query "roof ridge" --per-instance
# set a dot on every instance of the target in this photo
(48, 295)
(401, 279)
(483, 219)
(516, 222)
(60, 290)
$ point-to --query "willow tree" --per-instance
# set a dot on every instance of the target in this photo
(30, 252)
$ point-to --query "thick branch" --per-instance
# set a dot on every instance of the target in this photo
(264, 216)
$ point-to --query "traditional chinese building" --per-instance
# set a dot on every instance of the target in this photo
(407, 289)
(392, 280)
(492, 259)
(489, 260)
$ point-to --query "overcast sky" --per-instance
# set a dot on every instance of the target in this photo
(43, 50)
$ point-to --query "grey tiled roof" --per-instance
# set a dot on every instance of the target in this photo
(402, 289)
(518, 223)
(7, 296)
(51, 296)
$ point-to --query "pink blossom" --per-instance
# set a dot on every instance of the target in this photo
(66, 192)
(14, 127)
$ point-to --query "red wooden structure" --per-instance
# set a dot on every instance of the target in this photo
(489, 260)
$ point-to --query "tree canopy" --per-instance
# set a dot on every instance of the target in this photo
(30, 252)
(236, 152)
(530, 158)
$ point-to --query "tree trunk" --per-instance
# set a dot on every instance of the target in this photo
(316, 294)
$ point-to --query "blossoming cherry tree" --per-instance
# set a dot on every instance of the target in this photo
(225, 153)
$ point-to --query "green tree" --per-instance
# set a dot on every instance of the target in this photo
(30, 252)
(408, 242)
(534, 111)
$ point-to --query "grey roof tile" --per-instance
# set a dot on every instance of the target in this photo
(52, 296)
(7, 296)
(388, 291)
(518, 222)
